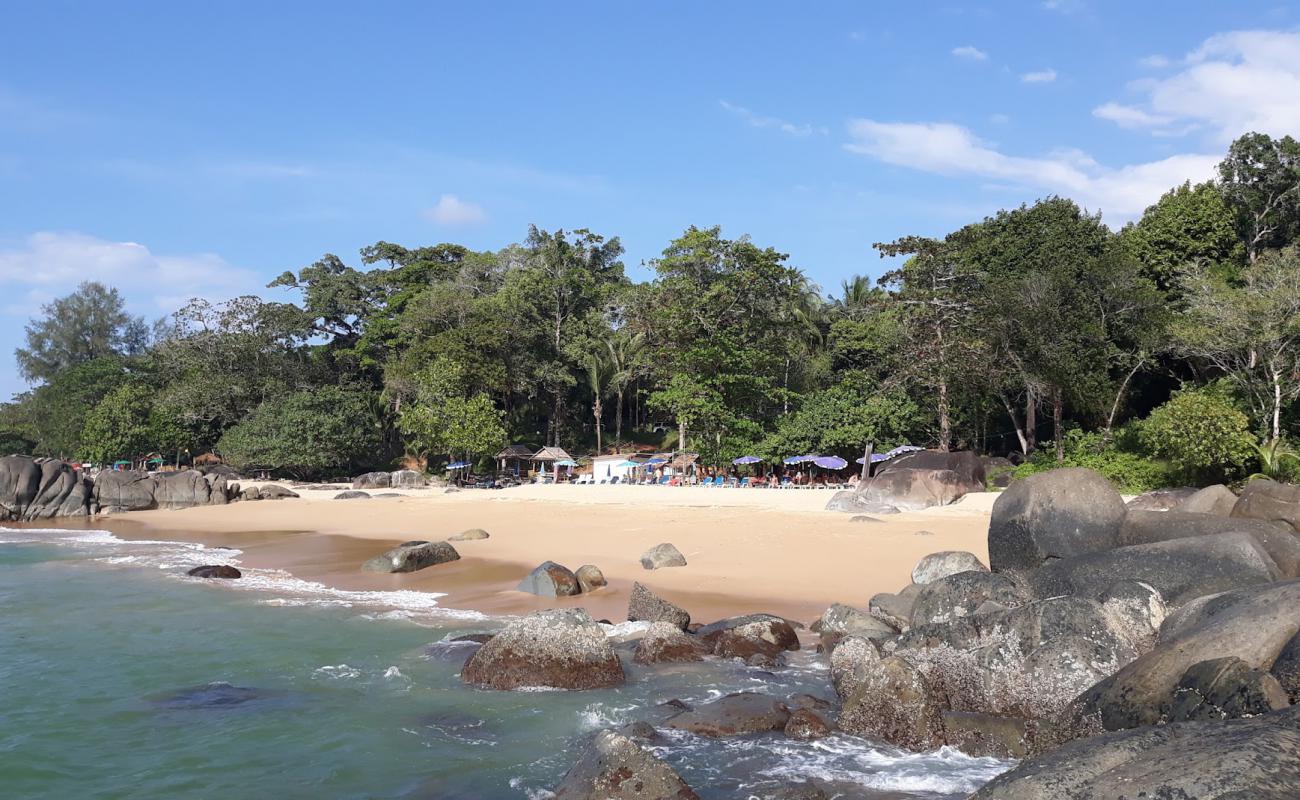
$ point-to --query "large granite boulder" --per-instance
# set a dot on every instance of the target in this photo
(895, 608)
(662, 555)
(1252, 625)
(891, 701)
(274, 491)
(407, 479)
(550, 580)
(841, 620)
(1286, 668)
(185, 489)
(967, 467)
(733, 715)
(646, 606)
(902, 490)
(1053, 515)
(373, 480)
(1226, 688)
(613, 767)
(412, 556)
(1161, 499)
(1278, 540)
(665, 643)
(940, 565)
(1180, 569)
(224, 571)
(124, 490)
(557, 648)
(1218, 500)
(1269, 500)
(762, 637)
(962, 594)
(1245, 759)
(40, 488)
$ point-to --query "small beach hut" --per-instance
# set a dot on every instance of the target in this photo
(613, 465)
(546, 458)
(514, 459)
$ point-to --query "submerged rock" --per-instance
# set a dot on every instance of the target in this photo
(469, 535)
(215, 571)
(558, 648)
(665, 643)
(614, 767)
(733, 715)
(590, 578)
(753, 635)
(662, 555)
(412, 556)
(217, 694)
(646, 606)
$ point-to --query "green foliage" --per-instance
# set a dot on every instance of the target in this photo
(1188, 225)
(444, 420)
(323, 431)
(841, 419)
(1202, 435)
(52, 417)
(89, 324)
(1278, 461)
(1130, 472)
(126, 425)
(1260, 180)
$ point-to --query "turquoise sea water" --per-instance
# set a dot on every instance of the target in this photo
(121, 678)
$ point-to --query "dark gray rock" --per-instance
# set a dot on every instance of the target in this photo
(406, 479)
(978, 734)
(117, 491)
(1148, 527)
(274, 491)
(1271, 501)
(412, 556)
(967, 467)
(1136, 610)
(665, 643)
(961, 594)
(646, 606)
(352, 495)
(733, 715)
(891, 701)
(806, 725)
(895, 609)
(185, 489)
(215, 571)
(372, 480)
(1218, 500)
(1246, 759)
(549, 579)
(748, 636)
(40, 488)
(590, 578)
(662, 555)
(1053, 515)
(841, 620)
(1226, 688)
(941, 565)
(1253, 625)
(558, 648)
(1160, 499)
(614, 767)
(1286, 668)
(1180, 569)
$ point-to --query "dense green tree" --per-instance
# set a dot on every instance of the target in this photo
(52, 417)
(1202, 435)
(1188, 225)
(445, 418)
(88, 324)
(326, 431)
(1260, 180)
(126, 425)
(841, 419)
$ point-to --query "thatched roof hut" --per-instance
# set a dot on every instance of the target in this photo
(551, 454)
(516, 455)
(684, 460)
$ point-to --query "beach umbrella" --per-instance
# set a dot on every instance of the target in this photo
(566, 462)
(458, 465)
(876, 458)
(830, 462)
(746, 460)
(898, 451)
(627, 464)
(795, 460)
(654, 462)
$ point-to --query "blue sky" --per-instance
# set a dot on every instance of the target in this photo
(178, 149)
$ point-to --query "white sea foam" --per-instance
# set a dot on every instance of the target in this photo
(600, 715)
(287, 590)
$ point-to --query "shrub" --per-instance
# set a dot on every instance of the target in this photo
(1205, 438)
(306, 434)
(1130, 472)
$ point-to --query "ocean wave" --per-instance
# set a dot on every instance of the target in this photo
(289, 591)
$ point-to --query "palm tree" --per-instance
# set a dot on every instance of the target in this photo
(857, 295)
(623, 349)
(806, 313)
(600, 372)
(1274, 455)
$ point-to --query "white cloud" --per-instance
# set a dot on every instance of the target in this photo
(451, 210)
(1041, 76)
(48, 264)
(1233, 83)
(759, 121)
(948, 149)
(970, 52)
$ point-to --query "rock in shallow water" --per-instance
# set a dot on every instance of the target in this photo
(550, 580)
(590, 578)
(733, 715)
(215, 571)
(217, 694)
(665, 643)
(616, 768)
(646, 606)
(558, 648)
(412, 556)
(662, 555)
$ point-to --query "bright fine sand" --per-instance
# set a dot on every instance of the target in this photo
(748, 550)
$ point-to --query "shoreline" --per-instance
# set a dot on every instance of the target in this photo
(748, 551)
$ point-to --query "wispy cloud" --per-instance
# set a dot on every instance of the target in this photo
(1041, 76)
(48, 264)
(759, 121)
(452, 211)
(1153, 62)
(970, 52)
(1233, 83)
(948, 149)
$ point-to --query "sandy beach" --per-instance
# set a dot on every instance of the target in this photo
(747, 550)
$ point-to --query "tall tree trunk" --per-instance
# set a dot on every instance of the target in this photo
(945, 423)
(1015, 423)
(1277, 404)
(596, 411)
(618, 418)
(785, 386)
(1114, 407)
(555, 419)
(1031, 419)
(1057, 407)
(681, 435)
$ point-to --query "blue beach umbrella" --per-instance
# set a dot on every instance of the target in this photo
(458, 465)
(566, 462)
(746, 460)
(830, 462)
(654, 462)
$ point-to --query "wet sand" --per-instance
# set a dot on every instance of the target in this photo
(747, 550)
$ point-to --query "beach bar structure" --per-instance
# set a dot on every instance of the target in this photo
(515, 459)
(545, 458)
